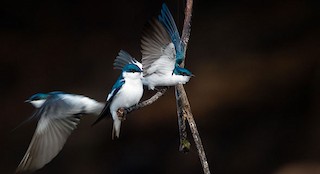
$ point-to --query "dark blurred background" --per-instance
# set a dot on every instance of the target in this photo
(255, 96)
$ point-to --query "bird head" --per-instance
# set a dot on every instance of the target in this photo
(131, 71)
(182, 71)
(38, 99)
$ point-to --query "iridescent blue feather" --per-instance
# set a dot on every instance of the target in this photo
(167, 20)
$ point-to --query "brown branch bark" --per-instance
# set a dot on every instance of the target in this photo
(185, 109)
(187, 24)
(144, 103)
(184, 143)
(183, 105)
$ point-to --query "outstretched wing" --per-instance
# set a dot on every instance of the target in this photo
(58, 118)
(123, 59)
(158, 52)
(167, 20)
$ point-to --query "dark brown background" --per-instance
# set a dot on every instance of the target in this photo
(255, 96)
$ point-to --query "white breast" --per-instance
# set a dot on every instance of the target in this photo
(168, 79)
(129, 94)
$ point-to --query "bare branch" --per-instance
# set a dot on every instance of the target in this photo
(185, 109)
(187, 24)
(183, 105)
(184, 143)
(142, 104)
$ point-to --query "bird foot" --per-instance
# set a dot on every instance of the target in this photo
(121, 114)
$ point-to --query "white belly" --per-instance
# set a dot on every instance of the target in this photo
(129, 95)
(154, 80)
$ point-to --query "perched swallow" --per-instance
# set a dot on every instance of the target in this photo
(126, 92)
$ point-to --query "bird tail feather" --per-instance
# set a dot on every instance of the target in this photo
(105, 112)
(116, 129)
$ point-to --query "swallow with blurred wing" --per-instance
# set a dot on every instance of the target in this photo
(59, 114)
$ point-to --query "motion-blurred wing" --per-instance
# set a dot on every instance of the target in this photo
(46, 143)
(58, 118)
(158, 52)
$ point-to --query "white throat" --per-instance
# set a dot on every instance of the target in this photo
(37, 103)
(132, 75)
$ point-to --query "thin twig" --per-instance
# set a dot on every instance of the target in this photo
(185, 109)
(184, 143)
(183, 105)
(142, 104)
(187, 24)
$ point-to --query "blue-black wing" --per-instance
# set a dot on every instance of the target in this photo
(106, 110)
(167, 20)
